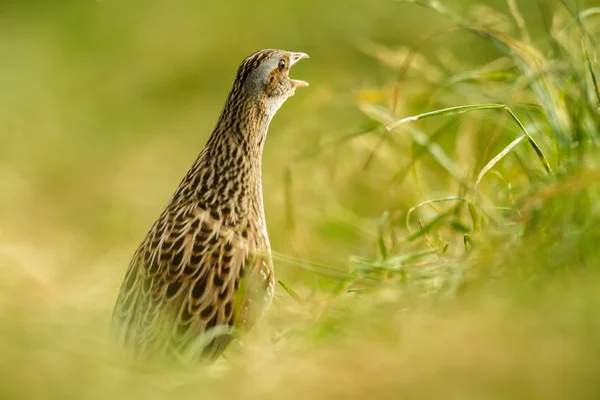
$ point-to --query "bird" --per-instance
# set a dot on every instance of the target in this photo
(204, 271)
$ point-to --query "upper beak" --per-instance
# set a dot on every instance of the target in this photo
(294, 58)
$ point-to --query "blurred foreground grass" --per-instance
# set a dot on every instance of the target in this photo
(453, 256)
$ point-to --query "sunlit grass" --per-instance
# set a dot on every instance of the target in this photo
(433, 209)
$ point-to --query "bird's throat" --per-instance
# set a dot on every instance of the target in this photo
(245, 122)
(230, 164)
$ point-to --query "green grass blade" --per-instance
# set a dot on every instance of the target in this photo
(444, 111)
(477, 107)
(546, 18)
(434, 149)
(381, 235)
(290, 291)
(532, 142)
(473, 213)
(193, 353)
(429, 145)
(590, 68)
(496, 159)
(576, 14)
(519, 20)
(432, 201)
(583, 15)
(430, 225)
(467, 240)
(438, 153)
(392, 264)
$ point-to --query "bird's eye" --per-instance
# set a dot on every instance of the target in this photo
(282, 64)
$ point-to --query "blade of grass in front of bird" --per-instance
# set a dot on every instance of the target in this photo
(193, 352)
(290, 291)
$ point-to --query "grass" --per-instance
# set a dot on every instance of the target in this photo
(434, 211)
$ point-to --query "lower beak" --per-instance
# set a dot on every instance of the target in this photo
(299, 83)
(294, 58)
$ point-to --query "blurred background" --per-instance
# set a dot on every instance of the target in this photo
(104, 105)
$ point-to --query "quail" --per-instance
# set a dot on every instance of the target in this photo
(204, 271)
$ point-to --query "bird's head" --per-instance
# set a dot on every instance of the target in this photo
(264, 76)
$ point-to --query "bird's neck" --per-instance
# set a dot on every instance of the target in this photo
(227, 174)
(243, 122)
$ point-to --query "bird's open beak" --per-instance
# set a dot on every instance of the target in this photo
(294, 58)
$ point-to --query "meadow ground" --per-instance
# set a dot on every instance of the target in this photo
(451, 255)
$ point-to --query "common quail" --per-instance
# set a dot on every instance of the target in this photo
(204, 269)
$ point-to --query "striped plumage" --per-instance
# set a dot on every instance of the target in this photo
(205, 263)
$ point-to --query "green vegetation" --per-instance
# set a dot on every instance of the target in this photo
(433, 199)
